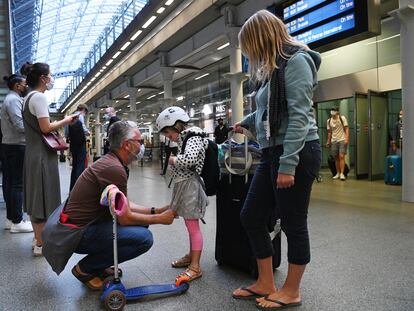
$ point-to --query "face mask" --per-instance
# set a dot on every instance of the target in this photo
(106, 117)
(333, 112)
(138, 156)
(50, 84)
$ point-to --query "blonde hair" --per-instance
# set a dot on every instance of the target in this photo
(261, 39)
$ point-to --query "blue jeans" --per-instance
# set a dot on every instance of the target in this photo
(13, 173)
(97, 243)
(78, 163)
(291, 204)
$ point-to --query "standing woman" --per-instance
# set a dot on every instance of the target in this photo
(291, 154)
(41, 172)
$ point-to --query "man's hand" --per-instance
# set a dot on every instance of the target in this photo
(284, 181)
(160, 210)
(166, 218)
(328, 144)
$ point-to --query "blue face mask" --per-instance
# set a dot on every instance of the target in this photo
(138, 156)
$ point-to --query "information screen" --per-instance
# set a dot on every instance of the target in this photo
(323, 23)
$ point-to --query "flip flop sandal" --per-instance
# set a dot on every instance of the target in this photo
(187, 276)
(183, 262)
(253, 295)
(281, 304)
(86, 279)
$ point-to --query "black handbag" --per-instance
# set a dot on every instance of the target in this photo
(60, 240)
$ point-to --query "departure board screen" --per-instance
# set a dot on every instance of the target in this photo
(323, 23)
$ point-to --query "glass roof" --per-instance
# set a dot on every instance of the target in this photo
(69, 28)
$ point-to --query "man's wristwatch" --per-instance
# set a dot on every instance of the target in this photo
(152, 210)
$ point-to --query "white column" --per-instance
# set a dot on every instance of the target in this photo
(406, 16)
(98, 133)
(235, 76)
(167, 74)
(132, 114)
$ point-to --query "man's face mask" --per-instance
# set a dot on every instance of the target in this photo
(334, 112)
(136, 156)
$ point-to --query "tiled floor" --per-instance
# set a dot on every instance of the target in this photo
(362, 239)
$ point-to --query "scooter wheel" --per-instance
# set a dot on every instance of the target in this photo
(115, 301)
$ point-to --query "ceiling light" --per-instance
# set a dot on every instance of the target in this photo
(109, 62)
(125, 45)
(139, 90)
(152, 96)
(129, 106)
(117, 101)
(161, 93)
(116, 54)
(93, 79)
(202, 76)
(176, 70)
(223, 46)
(98, 74)
(126, 96)
(137, 103)
(168, 2)
(180, 98)
(160, 10)
(147, 123)
(136, 35)
(149, 21)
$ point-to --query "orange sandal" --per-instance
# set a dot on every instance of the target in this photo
(183, 262)
(190, 274)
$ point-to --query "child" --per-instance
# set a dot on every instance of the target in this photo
(188, 198)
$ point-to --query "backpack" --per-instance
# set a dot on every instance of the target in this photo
(211, 170)
(342, 122)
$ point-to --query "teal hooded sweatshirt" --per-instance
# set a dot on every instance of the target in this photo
(300, 125)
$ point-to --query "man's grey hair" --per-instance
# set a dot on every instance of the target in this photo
(119, 132)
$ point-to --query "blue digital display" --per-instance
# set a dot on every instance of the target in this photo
(326, 24)
(299, 7)
(314, 17)
(329, 29)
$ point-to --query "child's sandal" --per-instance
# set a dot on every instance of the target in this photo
(190, 274)
(183, 262)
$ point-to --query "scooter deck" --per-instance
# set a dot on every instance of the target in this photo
(155, 291)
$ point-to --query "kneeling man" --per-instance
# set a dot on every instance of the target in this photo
(83, 207)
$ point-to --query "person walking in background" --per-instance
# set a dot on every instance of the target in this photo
(41, 185)
(13, 148)
(338, 140)
(110, 115)
(291, 154)
(397, 135)
(220, 132)
(77, 133)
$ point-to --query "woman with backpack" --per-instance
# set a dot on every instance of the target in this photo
(291, 154)
(188, 197)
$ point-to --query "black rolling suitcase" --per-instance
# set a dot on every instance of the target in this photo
(332, 166)
(232, 244)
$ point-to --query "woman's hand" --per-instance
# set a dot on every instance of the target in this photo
(237, 128)
(171, 160)
(284, 181)
(70, 119)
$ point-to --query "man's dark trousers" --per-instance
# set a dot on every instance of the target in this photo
(78, 162)
(13, 170)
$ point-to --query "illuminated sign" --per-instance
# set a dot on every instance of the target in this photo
(327, 24)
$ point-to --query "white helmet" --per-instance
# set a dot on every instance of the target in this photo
(169, 116)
